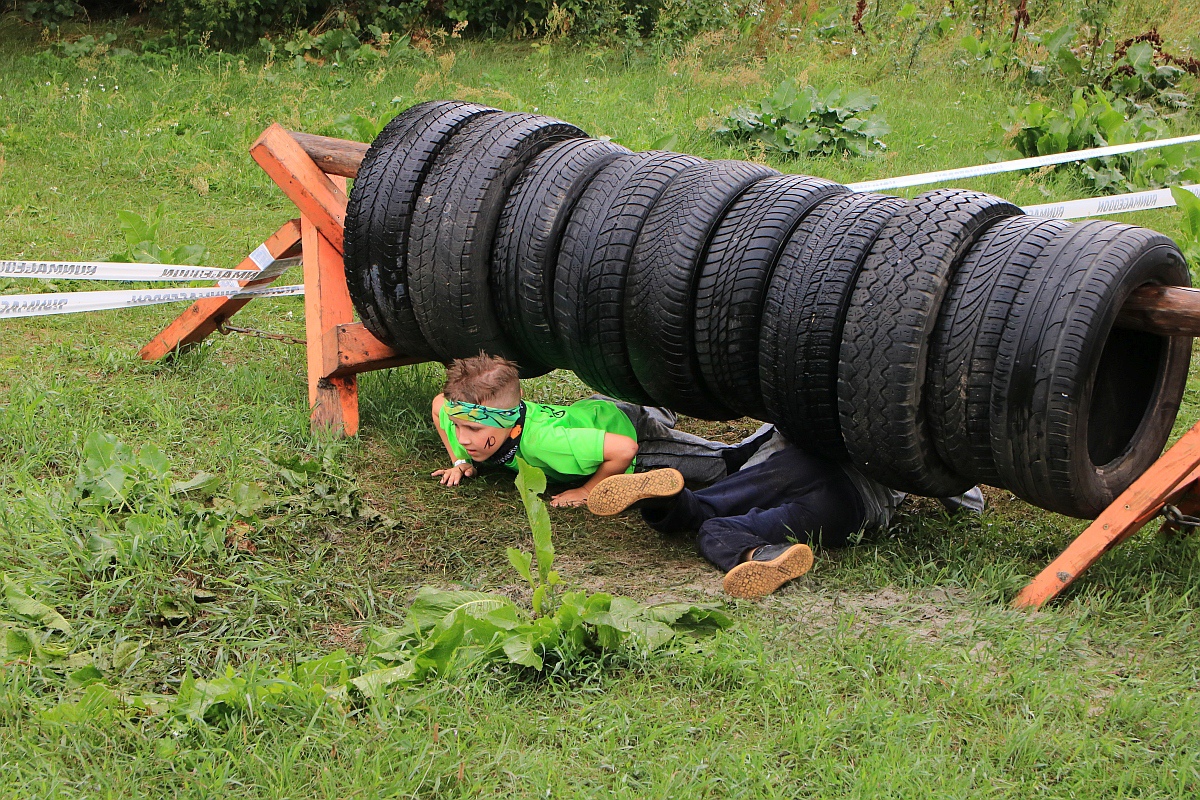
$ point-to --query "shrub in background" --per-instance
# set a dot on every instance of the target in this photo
(798, 122)
(236, 22)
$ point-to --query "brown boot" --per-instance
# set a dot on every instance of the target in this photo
(768, 568)
(618, 492)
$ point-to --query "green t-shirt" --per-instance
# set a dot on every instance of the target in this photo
(565, 442)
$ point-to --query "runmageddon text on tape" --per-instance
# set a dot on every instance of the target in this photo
(1110, 204)
(106, 271)
(39, 305)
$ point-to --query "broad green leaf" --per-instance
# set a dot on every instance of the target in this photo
(18, 643)
(153, 460)
(92, 707)
(443, 643)
(531, 482)
(84, 676)
(668, 142)
(781, 101)
(505, 617)
(22, 604)
(200, 482)
(172, 612)
(125, 654)
(1061, 39)
(1189, 204)
(857, 100)
(330, 670)
(522, 562)
(1140, 56)
(433, 606)
(187, 254)
(520, 649)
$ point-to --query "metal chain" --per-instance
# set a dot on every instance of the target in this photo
(224, 328)
(1177, 518)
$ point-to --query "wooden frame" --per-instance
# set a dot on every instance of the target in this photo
(311, 171)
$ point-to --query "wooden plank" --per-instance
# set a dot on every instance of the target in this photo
(205, 315)
(350, 348)
(316, 195)
(1188, 503)
(1165, 310)
(334, 400)
(1165, 481)
(333, 156)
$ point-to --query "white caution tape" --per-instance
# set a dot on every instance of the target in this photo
(1102, 206)
(1036, 162)
(39, 305)
(269, 267)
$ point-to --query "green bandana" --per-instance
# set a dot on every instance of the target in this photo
(483, 415)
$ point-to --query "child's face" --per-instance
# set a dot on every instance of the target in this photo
(480, 441)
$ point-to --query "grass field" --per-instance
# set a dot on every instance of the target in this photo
(894, 669)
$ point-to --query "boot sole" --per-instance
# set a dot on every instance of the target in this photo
(753, 579)
(617, 493)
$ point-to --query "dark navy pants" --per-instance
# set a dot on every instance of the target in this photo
(791, 497)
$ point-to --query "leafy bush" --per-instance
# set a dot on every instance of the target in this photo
(141, 241)
(1095, 118)
(447, 631)
(1137, 70)
(50, 13)
(237, 22)
(804, 122)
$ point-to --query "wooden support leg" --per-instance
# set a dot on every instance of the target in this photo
(334, 400)
(205, 315)
(1166, 481)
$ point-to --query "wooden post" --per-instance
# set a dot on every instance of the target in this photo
(1168, 479)
(333, 399)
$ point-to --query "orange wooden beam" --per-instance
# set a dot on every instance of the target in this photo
(1168, 479)
(205, 315)
(334, 400)
(350, 348)
(316, 194)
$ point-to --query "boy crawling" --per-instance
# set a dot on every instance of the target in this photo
(483, 420)
(768, 499)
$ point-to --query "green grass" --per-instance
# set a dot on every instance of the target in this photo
(894, 669)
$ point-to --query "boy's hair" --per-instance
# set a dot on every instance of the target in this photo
(483, 378)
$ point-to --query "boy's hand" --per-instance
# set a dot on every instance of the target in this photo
(454, 475)
(570, 498)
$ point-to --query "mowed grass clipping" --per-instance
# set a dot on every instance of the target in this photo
(894, 669)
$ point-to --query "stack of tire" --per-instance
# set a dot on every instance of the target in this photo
(932, 343)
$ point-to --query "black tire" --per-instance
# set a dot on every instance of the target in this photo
(962, 354)
(453, 232)
(733, 277)
(379, 214)
(1080, 409)
(593, 262)
(660, 308)
(885, 340)
(806, 304)
(528, 239)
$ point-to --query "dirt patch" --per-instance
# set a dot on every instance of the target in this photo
(339, 635)
(927, 615)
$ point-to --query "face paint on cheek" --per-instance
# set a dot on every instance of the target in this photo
(491, 441)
